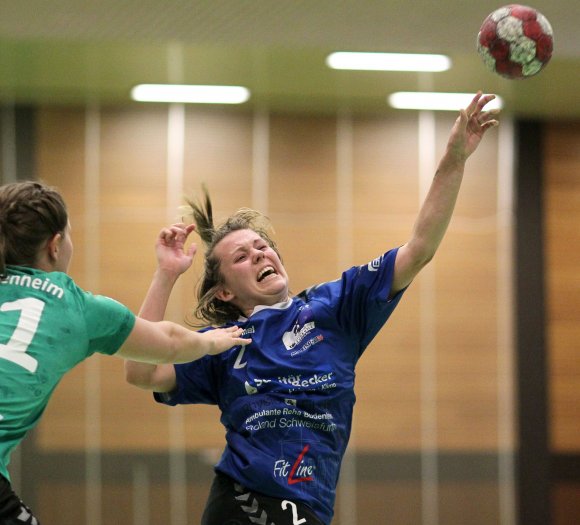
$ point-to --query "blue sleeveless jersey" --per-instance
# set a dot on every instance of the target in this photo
(287, 398)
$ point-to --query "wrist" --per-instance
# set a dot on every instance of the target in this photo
(453, 160)
(165, 276)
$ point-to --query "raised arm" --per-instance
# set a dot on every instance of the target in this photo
(436, 211)
(172, 260)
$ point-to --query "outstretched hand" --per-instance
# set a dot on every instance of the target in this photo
(222, 339)
(172, 257)
(470, 127)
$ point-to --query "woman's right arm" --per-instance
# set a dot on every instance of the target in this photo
(172, 260)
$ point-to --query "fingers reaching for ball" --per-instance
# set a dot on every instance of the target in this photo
(488, 119)
(477, 115)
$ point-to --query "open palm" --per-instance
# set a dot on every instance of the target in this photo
(471, 125)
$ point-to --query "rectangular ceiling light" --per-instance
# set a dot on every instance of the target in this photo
(178, 93)
(436, 101)
(388, 61)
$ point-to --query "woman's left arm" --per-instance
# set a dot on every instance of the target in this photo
(437, 209)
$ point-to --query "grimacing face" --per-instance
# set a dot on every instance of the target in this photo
(253, 273)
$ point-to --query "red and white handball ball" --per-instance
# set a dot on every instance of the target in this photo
(515, 41)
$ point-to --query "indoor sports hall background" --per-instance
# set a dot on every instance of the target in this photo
(468, 402)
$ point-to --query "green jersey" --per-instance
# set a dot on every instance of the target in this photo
(47, 326)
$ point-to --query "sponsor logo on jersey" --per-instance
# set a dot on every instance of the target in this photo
(299, 470)
(307, 383)
(303, 326)
(295, 382)
(290, 417)
(308, 344)
(249, 330)
(375, 264)
(251, 389)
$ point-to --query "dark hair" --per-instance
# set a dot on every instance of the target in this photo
(210, 309)
(30, 214)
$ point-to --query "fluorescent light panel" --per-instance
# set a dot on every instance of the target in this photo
(178, 93)
(436, 101)
(388, 61)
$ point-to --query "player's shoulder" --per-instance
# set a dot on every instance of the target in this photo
(323, 292)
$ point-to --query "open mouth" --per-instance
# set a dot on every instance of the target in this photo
(265, 272)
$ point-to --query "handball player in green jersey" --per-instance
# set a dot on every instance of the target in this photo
(48, 324)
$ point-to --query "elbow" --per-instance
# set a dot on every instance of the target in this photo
(425, 259)
(421, 254)
(136, 377)
(133, 379)
(421, 259)
(416, 267)
(143, 385)
(418, 261)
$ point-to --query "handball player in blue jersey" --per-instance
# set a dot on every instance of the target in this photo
(48, 324)
(286, 399)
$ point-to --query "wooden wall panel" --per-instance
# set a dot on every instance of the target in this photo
(302, 197)
(468, 501)
(218, 152)
(133, 163)
(562, 220)
(399, 503)
(63, 425)
(396, 503)
(62, 502)
(385, 201)
(61, 163)
(385, 163)
(466, 336)
(388, 410)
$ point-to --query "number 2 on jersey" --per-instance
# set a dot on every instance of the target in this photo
(295, 519)
(15, 349)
